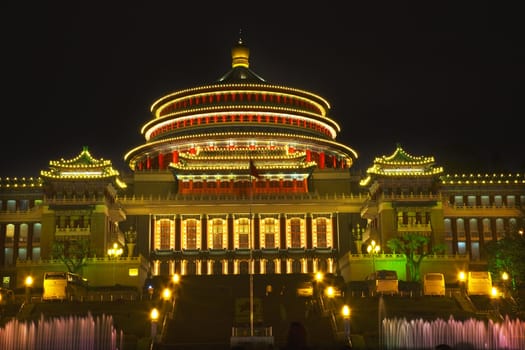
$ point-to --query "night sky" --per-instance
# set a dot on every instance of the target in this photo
(444, 81)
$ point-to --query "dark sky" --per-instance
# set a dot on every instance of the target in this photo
(443, 79)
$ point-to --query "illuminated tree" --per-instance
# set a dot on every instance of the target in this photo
(412, 246)
(506, 255)
(72, 252)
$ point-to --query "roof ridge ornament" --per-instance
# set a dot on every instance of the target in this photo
(240, 54)
(240, 37)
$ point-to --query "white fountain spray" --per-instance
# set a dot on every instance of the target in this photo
(72, 332)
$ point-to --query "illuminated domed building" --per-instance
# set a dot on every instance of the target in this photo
(242, 176)
(235, 165)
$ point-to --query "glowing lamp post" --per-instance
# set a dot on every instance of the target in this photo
(166, 294)
(154, 316)
(319, 277)
(505, 279)
(318, 280)
(176, 278)
(462, 276)
(495, 295)
(28, 283)
(330, 292)
(115, 252)
(346, 318)
(373, 249)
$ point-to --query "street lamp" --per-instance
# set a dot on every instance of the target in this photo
(505, 278)
(166, 294)
(115, 253)
(373, 249)
(175, 281)
(330, 292)
(462, 276)
(319, 277)
(28, 283)
(318, 280)
(154, 316)
(346, 318)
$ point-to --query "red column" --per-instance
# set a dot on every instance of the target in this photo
(161, 161)
(175, 156)
(308, 155)
(321, 160)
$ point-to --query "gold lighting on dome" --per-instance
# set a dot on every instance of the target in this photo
(153, 127)
(191, 113)
(265, 88)
(206, 96)
(240, 55)
(168, 142)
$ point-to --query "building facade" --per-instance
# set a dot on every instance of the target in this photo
(244, 176)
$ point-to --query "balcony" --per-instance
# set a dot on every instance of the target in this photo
(401, 228)
(73, 231)
(33, 214)
(451, 210)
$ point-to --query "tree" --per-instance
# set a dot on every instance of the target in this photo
(72, 252)
(411, 245)
(506, 255)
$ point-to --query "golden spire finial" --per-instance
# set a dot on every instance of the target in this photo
(240, 37)
(240, 53)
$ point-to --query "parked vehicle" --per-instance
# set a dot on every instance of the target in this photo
(64, 286)
(434, 284)
(383, 282)
(479, 283)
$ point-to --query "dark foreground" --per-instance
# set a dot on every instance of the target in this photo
(203, 312)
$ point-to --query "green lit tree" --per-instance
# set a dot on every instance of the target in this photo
(412, 246)
(72, 252)
(506, 255)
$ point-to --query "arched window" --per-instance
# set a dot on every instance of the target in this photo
(295, 231)
(269, 233)
(243, 233)
(217, 234)
(191, 234)
(165, 232)
(321, 233)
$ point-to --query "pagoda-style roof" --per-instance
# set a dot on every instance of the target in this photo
(240, 108)
(402, 164)
(82, 167)
(222, 161)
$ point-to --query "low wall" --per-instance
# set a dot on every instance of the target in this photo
(100, 272)
(356, 267)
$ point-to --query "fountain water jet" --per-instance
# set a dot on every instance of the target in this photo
(400, 333)
(72, 332)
